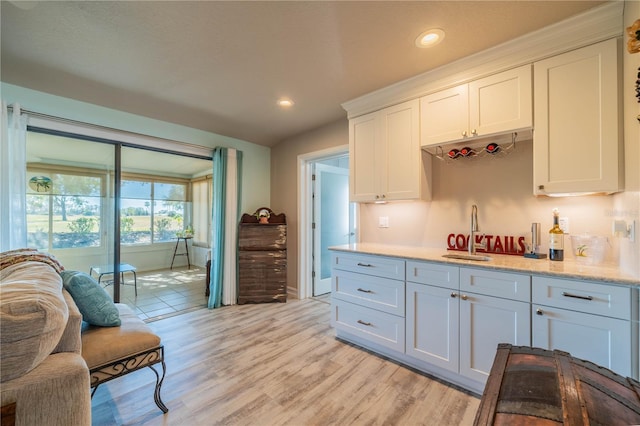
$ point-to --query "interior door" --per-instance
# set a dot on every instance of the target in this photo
(333, 219)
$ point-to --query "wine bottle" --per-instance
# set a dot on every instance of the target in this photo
(556, 239)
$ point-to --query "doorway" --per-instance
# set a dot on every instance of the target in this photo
(325, 214)
(333, 217)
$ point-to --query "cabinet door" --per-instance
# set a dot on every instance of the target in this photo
(486, 321)
(605, 341)
(363, 140)
(576, 143)
(432, 325)
(501, 102)
(401, 173)
(444, 116)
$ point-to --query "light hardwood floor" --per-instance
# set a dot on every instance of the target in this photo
(275, 364)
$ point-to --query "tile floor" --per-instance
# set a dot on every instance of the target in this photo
(164, 293)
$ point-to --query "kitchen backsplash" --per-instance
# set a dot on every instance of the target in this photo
(502, 190)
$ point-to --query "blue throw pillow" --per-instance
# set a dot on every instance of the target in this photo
(93, 301)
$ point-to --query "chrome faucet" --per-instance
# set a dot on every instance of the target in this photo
(474, 230)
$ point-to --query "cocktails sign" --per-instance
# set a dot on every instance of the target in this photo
(497, 244)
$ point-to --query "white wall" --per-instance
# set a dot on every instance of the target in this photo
(502, 188)
(255, 173)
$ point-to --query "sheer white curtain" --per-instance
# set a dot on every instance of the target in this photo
(201, 200)
(13, 175)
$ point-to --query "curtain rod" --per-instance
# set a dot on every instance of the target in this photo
(36, 114)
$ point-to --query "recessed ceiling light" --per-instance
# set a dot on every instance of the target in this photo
(430, 38)
(285, 103)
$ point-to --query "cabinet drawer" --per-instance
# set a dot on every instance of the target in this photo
(499, 284)
(383, 294)
(375, 326)
(589, 297)
(433, 274)
(367, 264)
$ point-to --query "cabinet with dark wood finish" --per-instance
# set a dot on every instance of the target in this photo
(262, 259)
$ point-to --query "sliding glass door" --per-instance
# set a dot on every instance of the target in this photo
(113, 210)
(70, 200)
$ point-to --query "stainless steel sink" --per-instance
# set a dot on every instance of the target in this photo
(476, 257)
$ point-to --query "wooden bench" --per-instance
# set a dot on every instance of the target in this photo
(112, 352)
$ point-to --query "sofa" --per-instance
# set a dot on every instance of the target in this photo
(42, 370)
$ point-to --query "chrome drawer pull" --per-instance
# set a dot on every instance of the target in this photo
(576, 296)
(366, 265)
(368, 324)
(365, 291)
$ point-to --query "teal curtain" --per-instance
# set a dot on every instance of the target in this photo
(227, 172)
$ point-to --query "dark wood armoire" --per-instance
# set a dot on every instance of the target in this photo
(262, 258)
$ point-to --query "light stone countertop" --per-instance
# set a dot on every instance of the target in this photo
(569, 268)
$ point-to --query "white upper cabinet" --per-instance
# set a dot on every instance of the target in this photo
(577, 138)
(386, 160)
(496, 104)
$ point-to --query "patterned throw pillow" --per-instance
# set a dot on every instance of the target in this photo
(93, 301)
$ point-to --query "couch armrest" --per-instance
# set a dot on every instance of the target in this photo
(71, 340)
(56, 392)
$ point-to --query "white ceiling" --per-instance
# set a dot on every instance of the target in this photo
(220, 66)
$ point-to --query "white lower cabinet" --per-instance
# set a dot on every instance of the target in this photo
(370, 324)
(457, 330)
(432, 325)
(494, 308)
(486, 321)
(368, 299)
(448, 320)
(591, 321)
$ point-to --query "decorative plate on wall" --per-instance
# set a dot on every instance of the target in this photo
(40, 183)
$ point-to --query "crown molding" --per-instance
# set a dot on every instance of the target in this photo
(595, 25)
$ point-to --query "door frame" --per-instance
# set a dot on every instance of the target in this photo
(305, 215)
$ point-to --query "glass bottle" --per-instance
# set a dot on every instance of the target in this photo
(556, 239)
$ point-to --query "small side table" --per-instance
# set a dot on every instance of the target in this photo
(186, 253)
(108, 270)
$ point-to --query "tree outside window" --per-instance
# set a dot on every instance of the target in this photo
(151, 211)
(67, 214)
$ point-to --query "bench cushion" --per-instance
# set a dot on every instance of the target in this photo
(104, 345)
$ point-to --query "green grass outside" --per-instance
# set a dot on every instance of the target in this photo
(41, 222)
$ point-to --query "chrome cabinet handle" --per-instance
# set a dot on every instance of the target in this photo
(454, 295)
(576, 296)
(368, 324)
(474, 132)
(539, 311)
(364, 291)
(464, 297)
(464, 133)
(366, 265)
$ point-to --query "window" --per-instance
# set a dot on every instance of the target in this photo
(63, 209)
(152, 209)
